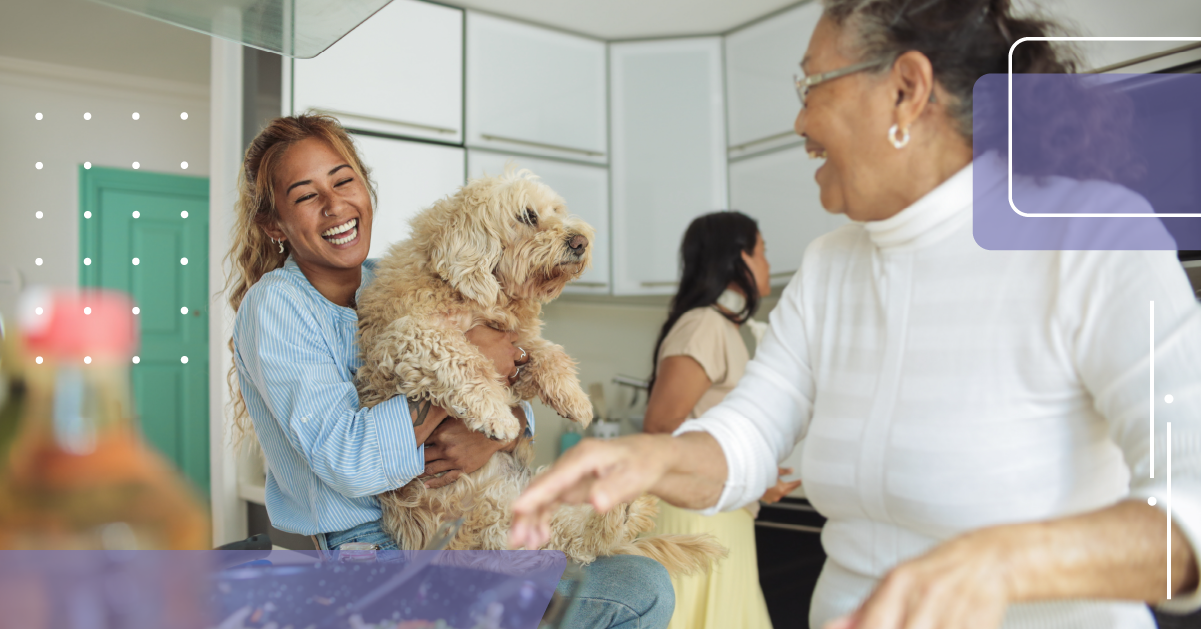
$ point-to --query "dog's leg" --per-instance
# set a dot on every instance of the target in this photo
(441, 365)
(551, 375)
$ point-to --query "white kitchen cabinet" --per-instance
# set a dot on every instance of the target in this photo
(777, 189)
(585, 188)
(669, 154)
(535, 91)
(1115, 18)
(409, 177)
(400, 73)
(761, 61)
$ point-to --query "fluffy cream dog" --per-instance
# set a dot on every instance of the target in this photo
(492, 254)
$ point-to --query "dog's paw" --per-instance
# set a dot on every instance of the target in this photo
(494, 419)
(573, 404)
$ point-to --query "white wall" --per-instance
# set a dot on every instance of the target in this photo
(63, 140)
(606, 339)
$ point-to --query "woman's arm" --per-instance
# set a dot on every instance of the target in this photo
(289, 377)
(1116, 553)
(679, 385)
(687, 471)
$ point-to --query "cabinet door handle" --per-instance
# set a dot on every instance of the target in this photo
(800, 528)
(554, 147)
(744, 145)
(658, 284)
(412, 125)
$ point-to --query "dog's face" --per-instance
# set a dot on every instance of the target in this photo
(509, 234)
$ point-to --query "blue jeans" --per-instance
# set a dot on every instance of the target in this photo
(621, 592)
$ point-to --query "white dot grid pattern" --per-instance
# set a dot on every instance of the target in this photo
(1151, 501)
(183, 310)
(183, 115)
(137, 214)
(38, 360)
(136, 261)
(136, 360)
(183, 261)
(137, 310)
(136, 165)
(136, 115)
(87, 360)
(87, 214)
(87, 310)
(37, 116)
(87, 165)
(38, 310)
(87, 115)
(87, 262)
(1168, 399)
(38, 214)
(38, 165)
(183, 214)
(38, 261)
(183, 165)
(183, 359)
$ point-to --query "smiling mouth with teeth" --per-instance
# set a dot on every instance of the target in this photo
(815, 152)
(335, 234)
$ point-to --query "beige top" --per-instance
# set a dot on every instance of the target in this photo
(714, 342)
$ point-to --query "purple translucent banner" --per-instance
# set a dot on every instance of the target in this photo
(277, 589)
(1099, 162)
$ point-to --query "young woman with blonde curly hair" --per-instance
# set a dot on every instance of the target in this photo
(299, 260)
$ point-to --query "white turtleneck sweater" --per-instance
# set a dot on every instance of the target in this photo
(940, 388)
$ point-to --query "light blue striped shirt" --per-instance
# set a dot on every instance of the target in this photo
(327, 456)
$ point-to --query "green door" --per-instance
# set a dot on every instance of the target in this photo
(147, 234)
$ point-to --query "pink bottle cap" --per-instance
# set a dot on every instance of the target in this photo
(92, 322)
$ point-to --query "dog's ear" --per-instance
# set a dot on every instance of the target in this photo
(464, 250)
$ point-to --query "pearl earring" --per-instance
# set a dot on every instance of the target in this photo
(892, 137)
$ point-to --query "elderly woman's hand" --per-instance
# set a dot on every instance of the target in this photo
(961, 583)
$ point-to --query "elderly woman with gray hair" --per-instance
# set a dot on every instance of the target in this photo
(975, 422)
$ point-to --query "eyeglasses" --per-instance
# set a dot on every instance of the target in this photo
(805, 83)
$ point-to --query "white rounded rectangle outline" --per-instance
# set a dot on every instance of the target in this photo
(1078, 215)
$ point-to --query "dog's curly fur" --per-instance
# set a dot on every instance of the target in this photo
(492, 254)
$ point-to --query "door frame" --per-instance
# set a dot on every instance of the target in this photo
(92, 183)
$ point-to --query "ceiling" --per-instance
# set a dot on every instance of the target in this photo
(632, 19)
(88, 35)
(84, 34)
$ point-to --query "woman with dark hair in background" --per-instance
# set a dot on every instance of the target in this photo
(698, 359)
(975, 422)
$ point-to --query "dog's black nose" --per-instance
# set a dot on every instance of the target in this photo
(578, 244)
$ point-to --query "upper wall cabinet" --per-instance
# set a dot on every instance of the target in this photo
(400, 72)
(409, 177)
(669, 154)
(1129, 19)
(535, 91)
(761, 61)
(585, 189)
(777, 189)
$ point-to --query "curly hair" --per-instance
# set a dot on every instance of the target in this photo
(252, 254)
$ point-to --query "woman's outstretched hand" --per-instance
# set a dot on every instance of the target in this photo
(781, 488)
(600, 473)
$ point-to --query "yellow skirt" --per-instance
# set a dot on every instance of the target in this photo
(728, 596)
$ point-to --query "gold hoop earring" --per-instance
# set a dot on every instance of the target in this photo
(892, 137)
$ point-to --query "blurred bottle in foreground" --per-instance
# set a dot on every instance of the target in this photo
(77, 473)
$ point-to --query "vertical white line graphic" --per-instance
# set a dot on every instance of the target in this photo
(1152, 441)
(1169, 437)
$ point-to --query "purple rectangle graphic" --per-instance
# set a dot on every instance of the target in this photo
(1099, 162)
(92, 589)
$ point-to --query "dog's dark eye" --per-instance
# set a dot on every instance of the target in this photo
(529, 217)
